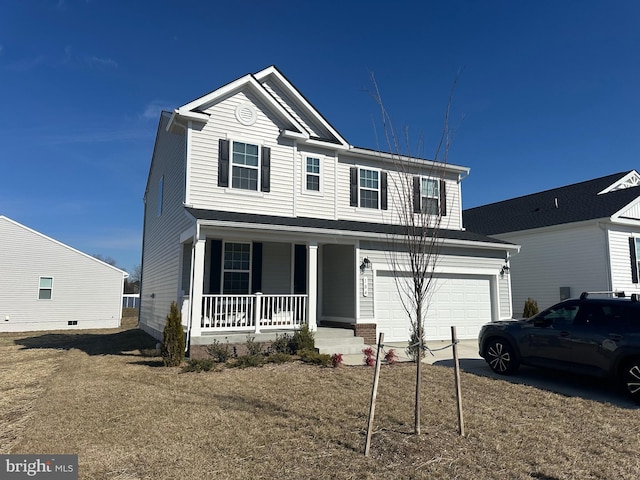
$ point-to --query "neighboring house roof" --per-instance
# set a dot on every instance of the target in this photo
(303, 223)
(598, 198)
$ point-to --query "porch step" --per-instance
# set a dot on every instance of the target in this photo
(338, 340)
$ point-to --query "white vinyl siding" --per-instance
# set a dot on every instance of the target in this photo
(620, 258)
(558, 257)
(204, 192)
(84, 289)
(395, 202)
(161, 280)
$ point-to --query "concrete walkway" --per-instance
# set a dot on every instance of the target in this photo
(441, 351)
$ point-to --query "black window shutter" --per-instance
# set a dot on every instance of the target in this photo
(266, 169)
(383, 190)
(443, 198)
(216, 267)
(300, 269)
(256, 268)
(223, 163)
(353, 183)
(416, 195)
(634, 260)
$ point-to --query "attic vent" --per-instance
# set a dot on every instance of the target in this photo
(246, 114)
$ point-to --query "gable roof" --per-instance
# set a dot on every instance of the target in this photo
(260, 84)
(598, 198)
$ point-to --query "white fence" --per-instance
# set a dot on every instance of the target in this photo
(130, 300)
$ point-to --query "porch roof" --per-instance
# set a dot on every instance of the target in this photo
(333, 226)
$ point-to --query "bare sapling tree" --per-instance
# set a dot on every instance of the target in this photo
(418, 207)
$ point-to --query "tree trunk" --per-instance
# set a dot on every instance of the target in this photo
(418, 371)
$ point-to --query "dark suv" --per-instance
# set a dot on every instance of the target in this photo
(589, 336)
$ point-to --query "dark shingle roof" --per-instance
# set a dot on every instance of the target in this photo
(569, 204)
(331, 225)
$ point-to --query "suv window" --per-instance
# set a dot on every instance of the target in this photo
(560, 316)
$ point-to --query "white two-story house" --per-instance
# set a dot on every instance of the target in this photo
(260, 216)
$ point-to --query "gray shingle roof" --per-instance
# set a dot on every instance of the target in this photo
(331, 225)
(569, 204)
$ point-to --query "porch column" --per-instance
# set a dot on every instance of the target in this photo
(197, 281)
(312, 269)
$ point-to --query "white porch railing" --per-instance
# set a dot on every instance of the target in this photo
(253, 313)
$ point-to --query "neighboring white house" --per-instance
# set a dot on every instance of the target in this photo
(47, 285)
(259, 215)
(581, 237)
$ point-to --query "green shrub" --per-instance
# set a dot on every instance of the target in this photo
(199, 365)
(315, 358)
(245, 361)
(173, 342)
(253, 347)
(221, 352)
(530, 308)
(280, 344)
(279, 357)
(303, 339)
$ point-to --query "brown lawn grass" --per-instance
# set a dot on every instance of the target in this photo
(127, 417)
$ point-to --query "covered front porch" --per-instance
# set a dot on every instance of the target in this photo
(246, 282)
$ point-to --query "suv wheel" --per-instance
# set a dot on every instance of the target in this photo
(631, 379)
(500, 356)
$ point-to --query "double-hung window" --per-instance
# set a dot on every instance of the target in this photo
(245, 166)
(45, 288)
(236, 268)
(430, 196)
(369, 188)
(313, 174)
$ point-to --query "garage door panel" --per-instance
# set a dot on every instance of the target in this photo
(463, 301)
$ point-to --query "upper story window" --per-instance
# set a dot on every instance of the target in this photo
(244, 166)
(245, 171)
(368, 188)
(45, 288)
(430, 196)
(313, 174)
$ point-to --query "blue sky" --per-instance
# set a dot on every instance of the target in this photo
(549, 92)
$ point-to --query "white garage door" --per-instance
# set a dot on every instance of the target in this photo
(463, 301)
